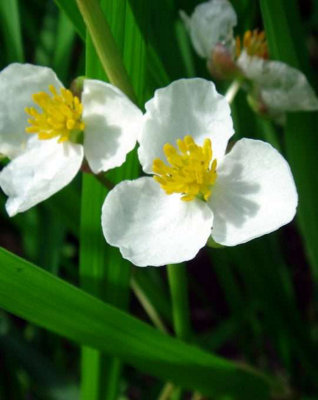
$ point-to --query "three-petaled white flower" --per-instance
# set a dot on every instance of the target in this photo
(200, 191)
(33, 100)
(275, 87)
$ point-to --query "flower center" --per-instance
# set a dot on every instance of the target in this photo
(191, 170)
(254, 43)
(60, 116)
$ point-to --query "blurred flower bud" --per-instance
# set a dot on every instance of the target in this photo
(76, 86)
(222, 64)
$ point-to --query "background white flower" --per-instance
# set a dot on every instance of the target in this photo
(40, 168)
(211, 23)
(254, 192)
(275, 86)
(281, 87)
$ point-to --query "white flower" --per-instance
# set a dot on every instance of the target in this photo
(281, 87)
(211, 23)
(198, 194)
(275, 86)
(34, 100)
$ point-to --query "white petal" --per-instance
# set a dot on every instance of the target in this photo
(282, 87)
(17, 84)
(112, 123)
(152, 228)
(211, 23)
(254, 194)
(185, 107)
(41, 170)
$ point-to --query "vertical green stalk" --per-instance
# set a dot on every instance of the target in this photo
(178, 283)
(92, 278)
(105, 45)
(232, 90)
(103, 273)
(11, 26)
(147, 306)
(100, 374)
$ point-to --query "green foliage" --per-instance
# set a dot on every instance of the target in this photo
(11, 30)
(70, 9)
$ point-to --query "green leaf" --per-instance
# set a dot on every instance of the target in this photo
(11, 27)
(64, 41)
(71, 10)
(66, 204)
(46, 39)
(38, 296)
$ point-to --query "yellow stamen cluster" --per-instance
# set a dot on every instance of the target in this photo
(254, 43)
(191, 170)
(60, 116)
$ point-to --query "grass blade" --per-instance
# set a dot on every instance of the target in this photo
(11, 26)
(71, 10)
(41, 298)
(65, 37)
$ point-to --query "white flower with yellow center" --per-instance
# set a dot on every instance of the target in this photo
(40, 122)
(197, 191)
(276, 87)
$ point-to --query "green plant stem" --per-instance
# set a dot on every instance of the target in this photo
(105, 46)
(197, 396)
(178, 283)
(147, 306)
(103, 272)
(166, 391)
(232, 90)
(101, 177)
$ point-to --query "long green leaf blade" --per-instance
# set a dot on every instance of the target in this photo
(41, 298)
(9, 11)
(71, 10)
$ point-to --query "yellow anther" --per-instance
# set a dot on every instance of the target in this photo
(254, 43)
(237, 46)
(60, 115)
(191, 171)
(247, 38)
(70, 124)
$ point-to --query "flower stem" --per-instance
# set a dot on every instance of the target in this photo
(233, 90)
(105, 46)
(101, 177)
(178, 283)
(147, 306)
(167, 391)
